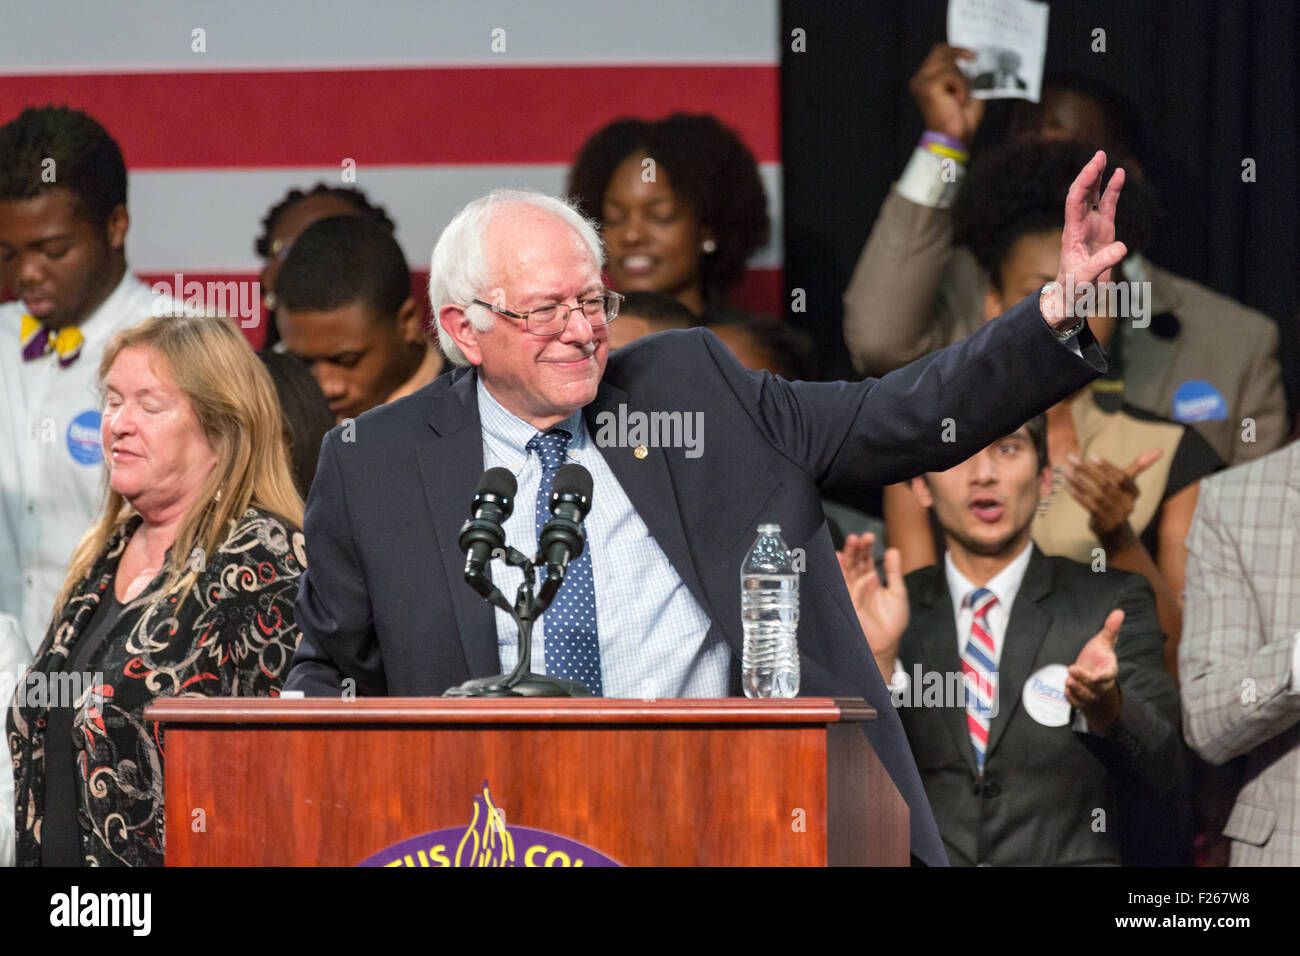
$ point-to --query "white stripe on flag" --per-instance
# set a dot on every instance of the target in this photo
(206, 220)
(73, 36)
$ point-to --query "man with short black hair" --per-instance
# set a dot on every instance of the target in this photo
(63, 225)
(1031, 688)
(345, 308)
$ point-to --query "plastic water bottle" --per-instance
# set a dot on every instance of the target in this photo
(769, 612)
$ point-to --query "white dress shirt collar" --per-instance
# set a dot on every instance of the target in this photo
(508, 435)
(1005, 584)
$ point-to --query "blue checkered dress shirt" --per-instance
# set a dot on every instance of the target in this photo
(653, 633)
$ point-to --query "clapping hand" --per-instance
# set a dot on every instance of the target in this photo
(1092, 683)
(882, 607)
(1107, 493)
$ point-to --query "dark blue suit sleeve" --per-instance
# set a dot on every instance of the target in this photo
(927, 416)
(333, 607)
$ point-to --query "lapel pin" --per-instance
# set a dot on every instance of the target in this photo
(641, 451)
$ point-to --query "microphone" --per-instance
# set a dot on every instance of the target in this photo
(562, 538)
(482, 534)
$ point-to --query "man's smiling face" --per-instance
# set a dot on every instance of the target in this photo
(535, 260)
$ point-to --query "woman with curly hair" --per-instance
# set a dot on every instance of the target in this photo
(184, 587)
(680, 205)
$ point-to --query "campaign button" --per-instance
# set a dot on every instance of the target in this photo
(83, 439)
(1044, 696)
(1199, 401)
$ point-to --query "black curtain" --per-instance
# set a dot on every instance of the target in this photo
(1216, 82)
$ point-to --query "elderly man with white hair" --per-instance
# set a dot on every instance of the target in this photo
(652, 608)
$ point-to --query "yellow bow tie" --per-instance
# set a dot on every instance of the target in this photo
(37, 340)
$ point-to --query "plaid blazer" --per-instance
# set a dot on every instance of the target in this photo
(1237, 656)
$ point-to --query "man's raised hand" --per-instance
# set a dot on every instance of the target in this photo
(1088, 246)
(943, 95)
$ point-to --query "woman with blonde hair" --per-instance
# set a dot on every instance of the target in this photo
(184, 587)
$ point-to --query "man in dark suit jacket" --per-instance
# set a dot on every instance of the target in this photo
(384, 609)
(1083, 730)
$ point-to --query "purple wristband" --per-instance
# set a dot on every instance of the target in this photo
(929, 136)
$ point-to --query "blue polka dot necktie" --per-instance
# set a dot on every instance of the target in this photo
(572, 646)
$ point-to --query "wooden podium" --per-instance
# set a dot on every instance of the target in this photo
(537, 782)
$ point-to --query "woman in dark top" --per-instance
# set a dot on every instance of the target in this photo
(680, 204)
(184, 587)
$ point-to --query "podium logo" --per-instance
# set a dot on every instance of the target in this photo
(488, 841)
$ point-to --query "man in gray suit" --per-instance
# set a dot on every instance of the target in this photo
(1240, 653)
(1200, 358)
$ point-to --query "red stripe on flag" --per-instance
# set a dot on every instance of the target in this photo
(459, 116)
(762, 291)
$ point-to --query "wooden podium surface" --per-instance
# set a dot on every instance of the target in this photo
(266, 782)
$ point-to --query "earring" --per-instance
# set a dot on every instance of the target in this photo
(709, 247)
(269, 300)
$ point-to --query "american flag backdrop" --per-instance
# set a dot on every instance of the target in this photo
(221, 108)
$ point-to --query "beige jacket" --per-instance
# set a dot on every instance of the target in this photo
(912, 293)
(1236, 656)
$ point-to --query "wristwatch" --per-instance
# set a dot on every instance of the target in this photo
(1068, 333)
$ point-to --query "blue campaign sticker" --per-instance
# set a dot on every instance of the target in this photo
(83, 439)
(1199, 401)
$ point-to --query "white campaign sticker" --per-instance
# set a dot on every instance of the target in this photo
(1044, 696)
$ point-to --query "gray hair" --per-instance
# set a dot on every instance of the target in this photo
(458, 269)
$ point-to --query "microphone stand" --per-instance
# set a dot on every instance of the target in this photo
(520, 682)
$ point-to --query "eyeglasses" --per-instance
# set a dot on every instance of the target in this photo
(599, 311)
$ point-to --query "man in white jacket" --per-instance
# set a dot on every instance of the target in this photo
(63, 224)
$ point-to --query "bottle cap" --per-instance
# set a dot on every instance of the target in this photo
(769, 529)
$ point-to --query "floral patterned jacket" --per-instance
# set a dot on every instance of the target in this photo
(232, 636)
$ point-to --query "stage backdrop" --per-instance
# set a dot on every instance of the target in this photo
(221, 108)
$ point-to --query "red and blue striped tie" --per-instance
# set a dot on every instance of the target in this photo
(980, 672)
